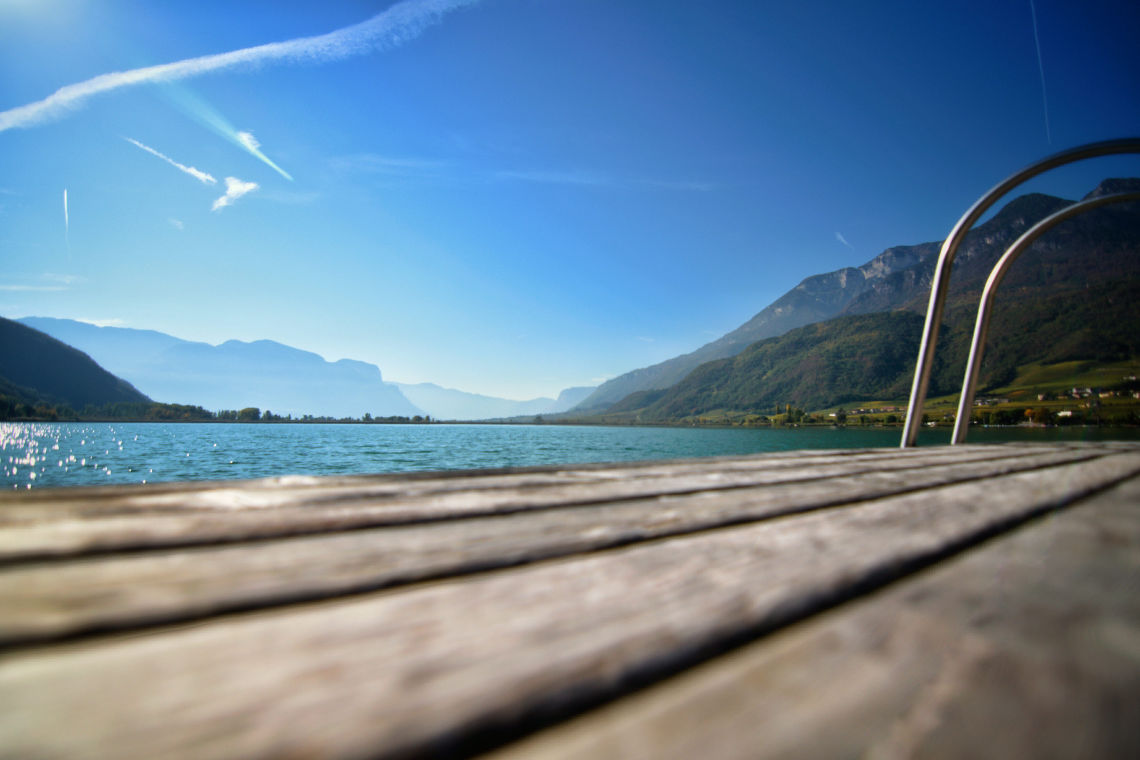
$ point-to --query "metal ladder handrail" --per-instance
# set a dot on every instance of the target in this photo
(997, 274)
(941, 281)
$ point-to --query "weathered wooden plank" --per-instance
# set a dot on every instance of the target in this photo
(396, 672)
(293, 491)
(66, 526)
(306, 489)
(1026, 647)
(54, 599)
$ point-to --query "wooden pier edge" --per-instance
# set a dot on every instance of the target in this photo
(974, 601)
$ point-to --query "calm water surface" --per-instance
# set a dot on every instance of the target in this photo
(35, 455)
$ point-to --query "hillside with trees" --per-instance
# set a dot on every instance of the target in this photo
(1097, 253)
(1073, 296)
(37, 370)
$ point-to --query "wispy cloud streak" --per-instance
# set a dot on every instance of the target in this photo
(841, 239)
(1041, 68)
(235, 188)
(399, 24)
(201, 176)
(66, 224)
(194, 106)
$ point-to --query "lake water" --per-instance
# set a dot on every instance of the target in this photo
(35, 455)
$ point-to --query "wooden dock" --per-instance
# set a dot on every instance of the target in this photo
(974, 601)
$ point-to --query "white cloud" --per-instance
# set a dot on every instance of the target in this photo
(176, 223)
(195, 173)
(250, 143)
(391, 28)
(248, 140)
(841, 239)
(235, 189)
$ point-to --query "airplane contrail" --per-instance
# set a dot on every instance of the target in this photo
(250, 143)
(66, 225)
(201, 176)
(391, 28)
(194, 106)
(1041, 68)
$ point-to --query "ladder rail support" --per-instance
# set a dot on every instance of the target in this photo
(940, 285)
(997, 274)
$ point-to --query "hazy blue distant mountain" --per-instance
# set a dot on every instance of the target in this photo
(37, 368)
(449, 404)
(235, 374)
(570, 398)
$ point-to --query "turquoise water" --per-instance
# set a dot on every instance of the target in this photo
(35, 455)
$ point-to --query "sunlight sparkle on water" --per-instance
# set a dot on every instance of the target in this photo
(44, 455)
(26, 451)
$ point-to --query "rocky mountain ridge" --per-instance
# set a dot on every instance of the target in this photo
(899, 277)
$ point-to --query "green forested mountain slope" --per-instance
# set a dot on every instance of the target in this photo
(871, 356)
(38, 369)
(1090, 253)
(833, 362)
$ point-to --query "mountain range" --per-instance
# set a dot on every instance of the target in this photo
(1098, 249)
(1073, 296)
(275, 377)
(450, 404)
(235, 374)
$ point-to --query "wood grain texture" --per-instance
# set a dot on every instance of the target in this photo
(1027, 647)
(396, 672)
(63, 522)
(45, 600)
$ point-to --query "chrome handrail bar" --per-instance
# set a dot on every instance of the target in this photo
(939, 286)
(997, 274)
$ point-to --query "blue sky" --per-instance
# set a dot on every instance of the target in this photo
(515, 196)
